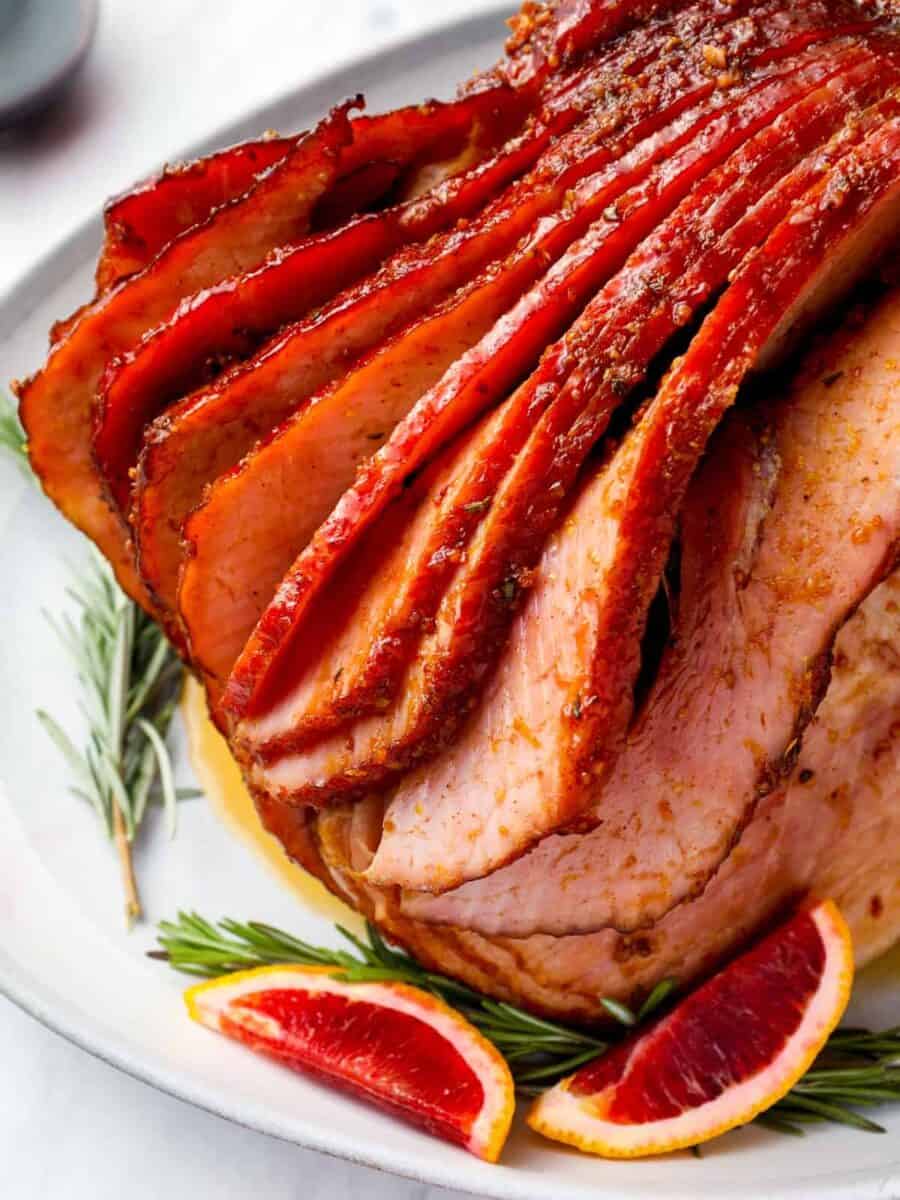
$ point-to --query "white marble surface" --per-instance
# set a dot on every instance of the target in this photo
(161, 75)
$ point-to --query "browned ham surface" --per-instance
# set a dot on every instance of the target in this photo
(651, 171)
(554, 714)
(520, 473)
(475, 340)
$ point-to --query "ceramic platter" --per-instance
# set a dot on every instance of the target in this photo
(63, 954)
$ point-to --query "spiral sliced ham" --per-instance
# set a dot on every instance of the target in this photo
(557, 709)
(408, 431)
(495, 365)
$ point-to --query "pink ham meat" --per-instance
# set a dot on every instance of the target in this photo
(475, 379)
(232, 319)
(206, 434)
(791, 523)
(554, 716)
(833, 830)
(434, 692)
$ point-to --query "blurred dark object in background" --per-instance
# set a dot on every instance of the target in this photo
(42, 45)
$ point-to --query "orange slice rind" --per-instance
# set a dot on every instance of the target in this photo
(724, 1054)
(391, 1044)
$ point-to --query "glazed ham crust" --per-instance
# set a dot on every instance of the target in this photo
(472, 613)
(473, 343)
(462, 451)
(478, 378)
(834, 829)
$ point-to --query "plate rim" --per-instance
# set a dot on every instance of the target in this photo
(19, 986)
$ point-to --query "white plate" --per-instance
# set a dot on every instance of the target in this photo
(63, 955)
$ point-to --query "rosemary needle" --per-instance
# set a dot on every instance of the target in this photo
(12, 435)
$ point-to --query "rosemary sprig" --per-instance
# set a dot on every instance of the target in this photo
(12, 435)
(131, 679)
(857, 1068)
(539, 1052)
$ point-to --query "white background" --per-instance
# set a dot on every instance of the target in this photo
(162, 74)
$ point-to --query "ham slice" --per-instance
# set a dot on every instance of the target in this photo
(834, 830)
(792, 521)
(554, 717)
(142, 221)
(476, 379)
(678, 268)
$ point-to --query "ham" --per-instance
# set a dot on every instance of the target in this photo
(792, 522)
(240, 532)
(549, 610)
(486, 373)
(553, 719)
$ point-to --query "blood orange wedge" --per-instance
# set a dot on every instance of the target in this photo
(727, 1052)
(388, 1043)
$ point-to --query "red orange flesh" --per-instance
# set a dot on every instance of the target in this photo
(726, 1053)
(390, 1044)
